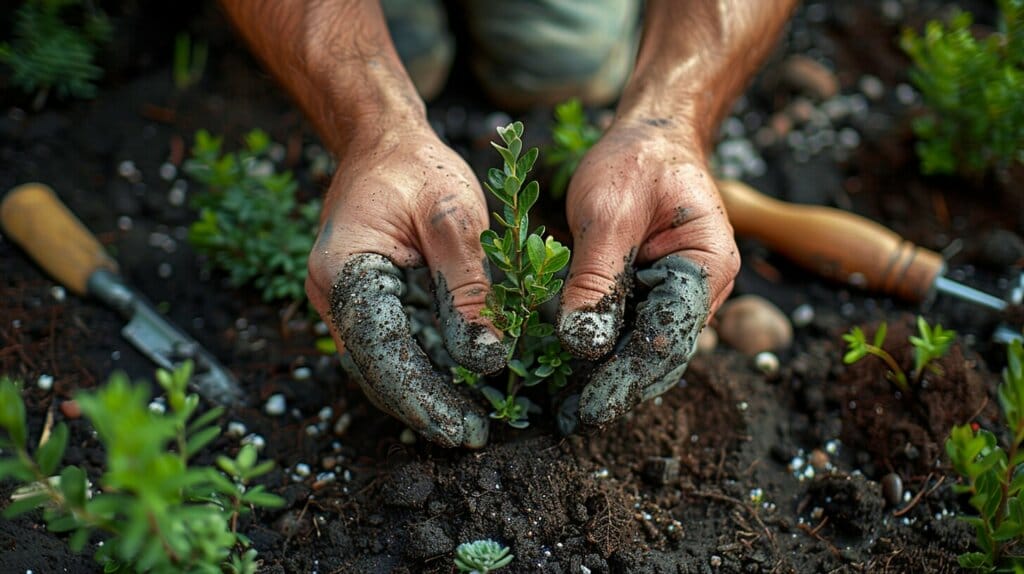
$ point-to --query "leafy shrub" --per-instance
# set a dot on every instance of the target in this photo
(49, 53)
(994, 478)
(573, 136)
(974, 90)
(531, 264)
(158, 513)
(250, 223)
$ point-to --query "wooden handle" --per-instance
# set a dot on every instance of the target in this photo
(34, 217)
(834, 243)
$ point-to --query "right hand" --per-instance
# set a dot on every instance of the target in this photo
(401, 198)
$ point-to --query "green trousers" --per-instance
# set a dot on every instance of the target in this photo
(524, 52)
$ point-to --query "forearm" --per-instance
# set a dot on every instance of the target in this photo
(336, 59)
(695, 58)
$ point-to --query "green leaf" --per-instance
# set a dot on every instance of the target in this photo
(506, 156)
(525, 163)
(536, 252)
(12, 412)
(529, 196)
(974, 560)
(206, 418)
(496, 397)
(883, 329)
(73, 486)
(200, 439)
(558, 255)
(49, 454)
(27, 504)
(16, 469)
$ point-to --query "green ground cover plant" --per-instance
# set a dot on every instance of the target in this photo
(974, 92)
(572, 136)
(481, 556)
(530, 263)
(155, 510)
(250, 223)
(993, 477)
(930, 344)
(54, 48)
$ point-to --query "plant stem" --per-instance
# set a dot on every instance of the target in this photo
(898, 374)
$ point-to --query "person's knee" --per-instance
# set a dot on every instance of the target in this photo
(531, 52)
(419, 30)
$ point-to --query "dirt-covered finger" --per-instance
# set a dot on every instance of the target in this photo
(660, 346)
(398, 377)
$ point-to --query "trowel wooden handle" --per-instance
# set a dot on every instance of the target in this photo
(833, 243)
(34, 217)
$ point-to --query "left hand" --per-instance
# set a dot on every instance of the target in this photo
(643, 195)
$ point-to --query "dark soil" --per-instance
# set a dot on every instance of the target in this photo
(730, 471)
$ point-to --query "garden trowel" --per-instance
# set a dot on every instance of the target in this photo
(34, 217)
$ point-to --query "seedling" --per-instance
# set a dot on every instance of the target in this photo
(930, 345)
(573, 136)
(993, 477)
(189, 61)
(50, 54)
(974, 91)
(481, 556)
(250, 223)
(157, 512)
(530, 263)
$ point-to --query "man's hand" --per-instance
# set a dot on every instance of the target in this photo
(643, 195)
(404, 199)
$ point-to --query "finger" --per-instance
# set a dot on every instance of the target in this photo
(594, 296)
(660, 346)
(451, 248)
(398, 376)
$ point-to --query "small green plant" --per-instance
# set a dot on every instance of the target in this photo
(573, 136)
(530, 263)
(250, 223)
(189, 61)
(481, 556)
(52, 52)
(929, 345)
(993, 477)
(974, 91)
(158, 512)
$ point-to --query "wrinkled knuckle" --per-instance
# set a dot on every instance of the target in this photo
(591, 283)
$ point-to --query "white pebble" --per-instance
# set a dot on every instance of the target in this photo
(255, 440)
(157, 406)
(803, 315)
(168, 171)
(767, 363)
(325, 414)
(906, 94)
(312, 430)
(302, 373)
(127, 170)
(871, 87)
(58, 293)
(45, 382)
(716, 561)
(124, 223)
(236, 429)
(275, 406)
(302, 469)
(321, 329)
(849, 138)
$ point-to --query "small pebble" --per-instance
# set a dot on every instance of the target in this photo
(707, 340)
(276, 405)
(892, 488)
(871, 87)
(164, 270)
(70, 410)
(329, 462)
(45, 382)
(752, 324)
(255, 440)
(321, 329)
(312, 430)
(803, 315)
(127, 170)
(157, 406)
(819, 459)
(168, 171)
(236, 429)
(906, 94)
(124, 223)
(716, 561)
(407, 437)
(302, 469)
(302, 373)
(341, 425)
(176, 195)
(767, 362)
(58, 293)
(325, 414)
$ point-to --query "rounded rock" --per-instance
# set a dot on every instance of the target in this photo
(892, 488)
(767, 362)
(707, 340)
(752, 324)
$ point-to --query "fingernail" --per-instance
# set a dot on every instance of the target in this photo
(474, 430)
(588, 334)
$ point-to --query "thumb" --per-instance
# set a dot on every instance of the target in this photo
(593, 300)
(462, 282)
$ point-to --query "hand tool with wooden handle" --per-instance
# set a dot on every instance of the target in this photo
(844, 247)
(34, 217)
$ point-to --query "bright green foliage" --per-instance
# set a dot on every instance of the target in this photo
(481, 556)
(50, 53)
(250, 224)
(461, 374)
(857, 347)
(158, 512)
(573, 136)
(931, 345)
(530, 263)
(974, 90)
(994, 478)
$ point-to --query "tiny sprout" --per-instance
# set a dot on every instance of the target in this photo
(857, 347)
(933, 344)
(481, 556)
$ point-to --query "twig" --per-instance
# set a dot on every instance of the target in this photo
(920, 494)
